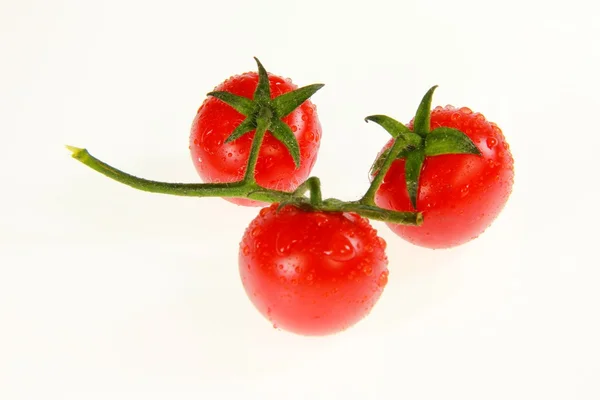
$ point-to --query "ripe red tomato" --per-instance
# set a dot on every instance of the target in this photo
(459, 194)
(312, 273)
(217, 161)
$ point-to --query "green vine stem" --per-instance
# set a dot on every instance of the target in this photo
(264, 114)
(399, 145)
(249, 189)
(262, 124)
(313, 186)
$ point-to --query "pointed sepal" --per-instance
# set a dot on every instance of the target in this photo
(282, 132)
(412, 172)
(286, 103)
(446, 140)
(263, 88)
(393, 127)
(241, 104)
(246, 126)
(422, 121)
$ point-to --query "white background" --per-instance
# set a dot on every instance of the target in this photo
(110, 293)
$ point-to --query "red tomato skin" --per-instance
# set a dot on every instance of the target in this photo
(216, 161)
(312, 273)
(459, 195)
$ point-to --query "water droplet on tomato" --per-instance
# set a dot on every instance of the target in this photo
(255, 232)
(368, 270)
(382, 243)
(196, 142)
(294, 128)
(320, 218)
(304, 118)
(310, 277)
(245, 250)
(464, 191)
(491, 142)
(294, 281)
(263, 212)
(297, 269)
(310, 136)
(284, 242)
(340, 248)
(383, 279)
(229, 154)
(206, 141)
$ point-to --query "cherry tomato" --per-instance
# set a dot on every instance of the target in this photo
(460, 195)
(217, 161)
(312, 273)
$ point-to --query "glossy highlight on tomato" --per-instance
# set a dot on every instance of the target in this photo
(460, 195)
(220, 162)
(312, 273)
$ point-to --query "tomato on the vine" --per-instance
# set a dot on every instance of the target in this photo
(459, 195)
(218, 161)
(310, 272)
(316, 266)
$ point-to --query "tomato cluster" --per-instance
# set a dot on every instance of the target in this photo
(312, 272)
(316, 266)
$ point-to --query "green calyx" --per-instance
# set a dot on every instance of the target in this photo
(416, 145)
(265, 114)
